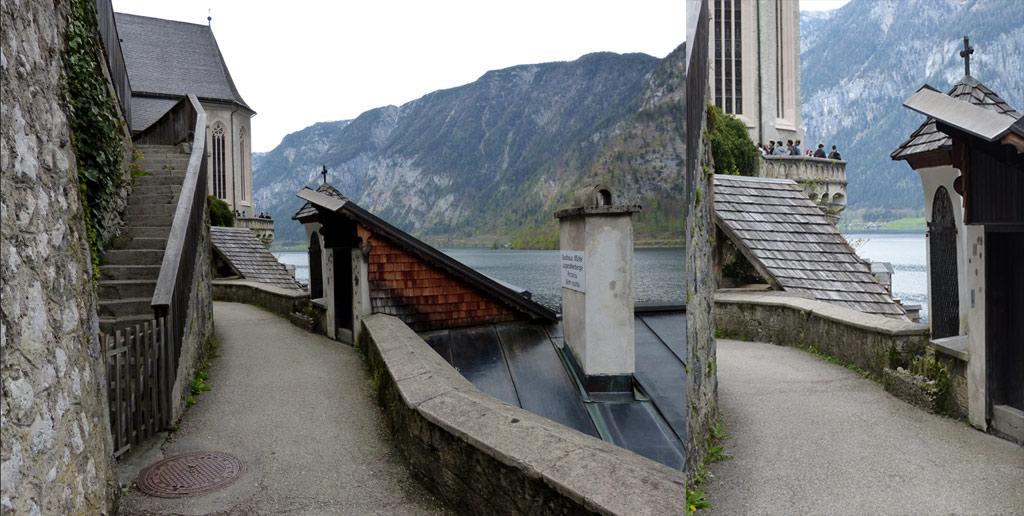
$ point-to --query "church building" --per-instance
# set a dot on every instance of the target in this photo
(755, 65)
(168, 59)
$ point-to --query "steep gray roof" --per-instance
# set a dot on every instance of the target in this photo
(928, 138)
(169, 59)
(247, 256)
(789, 239)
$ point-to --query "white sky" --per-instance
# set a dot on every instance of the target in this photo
(301, 62)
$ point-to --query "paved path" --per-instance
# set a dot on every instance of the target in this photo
(297, 409)
(810, 437)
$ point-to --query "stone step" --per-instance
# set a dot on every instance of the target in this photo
(137, 210)
(161, 179)
(165, 165)
(122, 289)
(149, 220)
(130, 242)
(140, 189)
(133, 257)
(150, 199)
(146, 231)
(129, 272)
(126, 306)
(110, 325)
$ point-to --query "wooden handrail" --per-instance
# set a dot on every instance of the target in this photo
(174, 284)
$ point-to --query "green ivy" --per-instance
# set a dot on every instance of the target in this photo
(96, 128)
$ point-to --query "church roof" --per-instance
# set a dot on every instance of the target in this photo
(789, 240)
(168, 59)
(928, 139)
(249, 258)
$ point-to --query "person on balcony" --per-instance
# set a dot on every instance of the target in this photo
(820, 153)
(834, 154)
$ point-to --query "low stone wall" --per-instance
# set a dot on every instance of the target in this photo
(279, 300)
(863, 340)
(483, 456)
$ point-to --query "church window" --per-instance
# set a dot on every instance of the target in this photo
(728, 56)
(242, 154)
(217, 156)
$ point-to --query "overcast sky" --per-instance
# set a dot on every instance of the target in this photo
(301, 62)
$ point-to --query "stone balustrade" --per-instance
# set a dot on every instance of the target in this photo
(824, 180)
(264, 228)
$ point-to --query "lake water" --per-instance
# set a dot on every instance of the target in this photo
(659, 273)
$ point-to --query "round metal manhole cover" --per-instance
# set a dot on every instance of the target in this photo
(190, 474)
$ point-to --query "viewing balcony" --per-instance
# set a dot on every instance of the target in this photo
(264, 228)
(824, 180)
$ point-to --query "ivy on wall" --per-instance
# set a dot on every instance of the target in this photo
(96, 127)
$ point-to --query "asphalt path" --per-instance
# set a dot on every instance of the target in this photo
(297, 408)
(811, 437)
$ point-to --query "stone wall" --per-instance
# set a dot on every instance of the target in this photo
(279, 300)
(483, 456)
(198, 323)
(55, 447)
(863, 340)
(701, 379)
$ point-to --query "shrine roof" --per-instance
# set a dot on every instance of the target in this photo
(927, 138)
(790, 240)
(326, 198)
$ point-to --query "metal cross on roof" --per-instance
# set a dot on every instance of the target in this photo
(324, 172)
(966, 54)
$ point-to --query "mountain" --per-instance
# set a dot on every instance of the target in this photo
(492, 157)
(861, 61)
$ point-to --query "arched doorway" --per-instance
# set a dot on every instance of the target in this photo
(316, 272)
(945, 296)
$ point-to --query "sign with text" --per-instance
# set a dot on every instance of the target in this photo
(574, 273)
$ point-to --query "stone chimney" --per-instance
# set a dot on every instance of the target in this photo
(596, 260)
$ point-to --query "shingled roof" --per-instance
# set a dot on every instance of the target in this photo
(168, 59)
(927, 145)
(789, 240)
(327, 198)
(247, 257)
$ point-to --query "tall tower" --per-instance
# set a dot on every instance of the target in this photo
(755, 65)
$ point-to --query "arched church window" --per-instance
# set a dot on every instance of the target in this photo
(219, 161)
(243, 153)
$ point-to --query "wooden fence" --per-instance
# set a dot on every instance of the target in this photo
(140, 369)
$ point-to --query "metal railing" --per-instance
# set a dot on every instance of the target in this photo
(186, 121)
(115, 57)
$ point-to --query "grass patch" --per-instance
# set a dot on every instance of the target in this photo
(905, 224)
(831, 359)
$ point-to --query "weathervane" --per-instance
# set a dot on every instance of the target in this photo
(324, 172)
(966, 54)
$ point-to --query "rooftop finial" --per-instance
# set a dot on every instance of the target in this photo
(966, 54)
(324, 172)
(208, 18)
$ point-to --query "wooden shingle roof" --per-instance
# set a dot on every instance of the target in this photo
(927, 138)
(789, 239)
(246, 255)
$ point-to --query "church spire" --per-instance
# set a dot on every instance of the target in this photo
(966, 54)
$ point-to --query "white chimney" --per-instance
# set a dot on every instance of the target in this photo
(596, 260)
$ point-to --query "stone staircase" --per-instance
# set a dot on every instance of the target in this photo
(129, 269)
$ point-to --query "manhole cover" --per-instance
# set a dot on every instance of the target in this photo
(190, 474)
